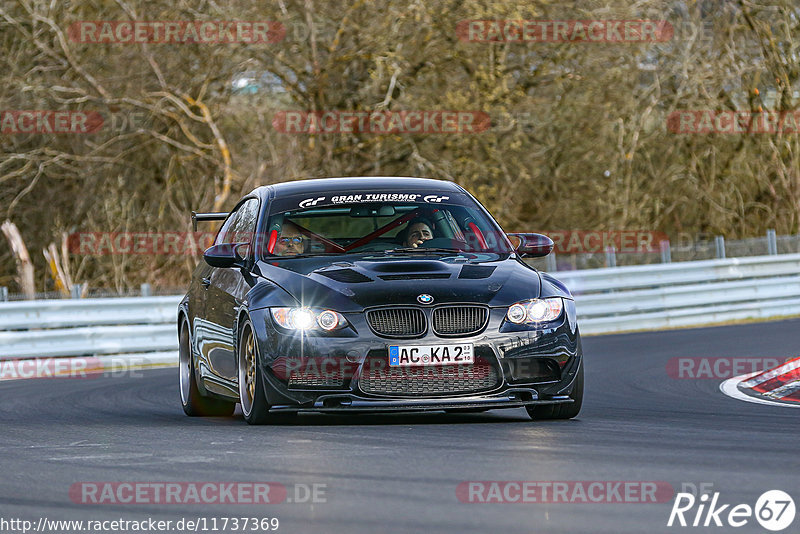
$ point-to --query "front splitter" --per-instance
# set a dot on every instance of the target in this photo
(350, 403)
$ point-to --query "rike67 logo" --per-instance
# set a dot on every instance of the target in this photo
(774, 510)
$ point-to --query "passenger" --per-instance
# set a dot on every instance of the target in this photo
(291, 242)
(417, 232)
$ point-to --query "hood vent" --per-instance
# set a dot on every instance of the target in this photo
(346, 276)
(476, 272)
(406, 266)
(415, 276)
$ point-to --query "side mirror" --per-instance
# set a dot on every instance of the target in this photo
(226, 255)
(532, 245)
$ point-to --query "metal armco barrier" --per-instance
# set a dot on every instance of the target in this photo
(641, 297)
(649, 297)
(133, 326)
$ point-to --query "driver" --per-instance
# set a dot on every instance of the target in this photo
(417, 232)
(291, 242)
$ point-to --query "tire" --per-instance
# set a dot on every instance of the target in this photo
(561, 411)
(255, 408)
(194, 404)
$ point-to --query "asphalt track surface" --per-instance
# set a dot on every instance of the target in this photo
(399, 473)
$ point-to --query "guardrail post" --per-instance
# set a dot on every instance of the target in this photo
(719, 241)
(772, 243)
(666, 252)
(75, 291)
(550, 264)
(145, 290)
(611, 257)
(3, 294)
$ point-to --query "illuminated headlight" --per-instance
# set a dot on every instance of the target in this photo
(328, 320)
(517, 313)
(301, 318)
(308, 319)
(535, 310)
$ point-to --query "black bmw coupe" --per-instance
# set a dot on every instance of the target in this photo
(374, 295)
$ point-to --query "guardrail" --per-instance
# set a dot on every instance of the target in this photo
(140, 326)
(608, 300)
(685, 294)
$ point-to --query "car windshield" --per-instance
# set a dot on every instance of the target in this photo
(305, 228)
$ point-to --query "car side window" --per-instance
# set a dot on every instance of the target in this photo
(226, 228)
(245, 225)
(239, 227)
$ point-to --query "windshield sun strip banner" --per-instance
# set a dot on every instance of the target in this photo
(339, 198)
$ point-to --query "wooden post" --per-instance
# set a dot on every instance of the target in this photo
(24, 264)
(60, 276)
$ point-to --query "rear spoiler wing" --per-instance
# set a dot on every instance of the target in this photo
(205, 217)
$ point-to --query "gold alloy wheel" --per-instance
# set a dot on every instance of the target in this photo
(247, 369)
(250, 357)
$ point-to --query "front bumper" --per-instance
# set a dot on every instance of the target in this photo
(533, 366)
(334, 403)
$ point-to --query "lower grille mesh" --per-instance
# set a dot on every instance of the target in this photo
(380, 379)
(300, 380)
(313, 372)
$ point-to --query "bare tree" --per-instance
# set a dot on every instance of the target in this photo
(579, 135)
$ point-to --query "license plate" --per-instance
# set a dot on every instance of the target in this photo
(417, 355)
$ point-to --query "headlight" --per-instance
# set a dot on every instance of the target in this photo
(308, 319)
(328, 320)
(535, 310)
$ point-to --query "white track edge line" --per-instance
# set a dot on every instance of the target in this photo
(730, 388)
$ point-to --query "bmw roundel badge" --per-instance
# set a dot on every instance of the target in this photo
(425, 298)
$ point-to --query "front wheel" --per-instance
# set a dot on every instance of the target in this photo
(561, 411)
(251, 387)
(194, 404)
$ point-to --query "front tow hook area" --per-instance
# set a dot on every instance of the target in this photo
(523, 395)
(336, 402)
